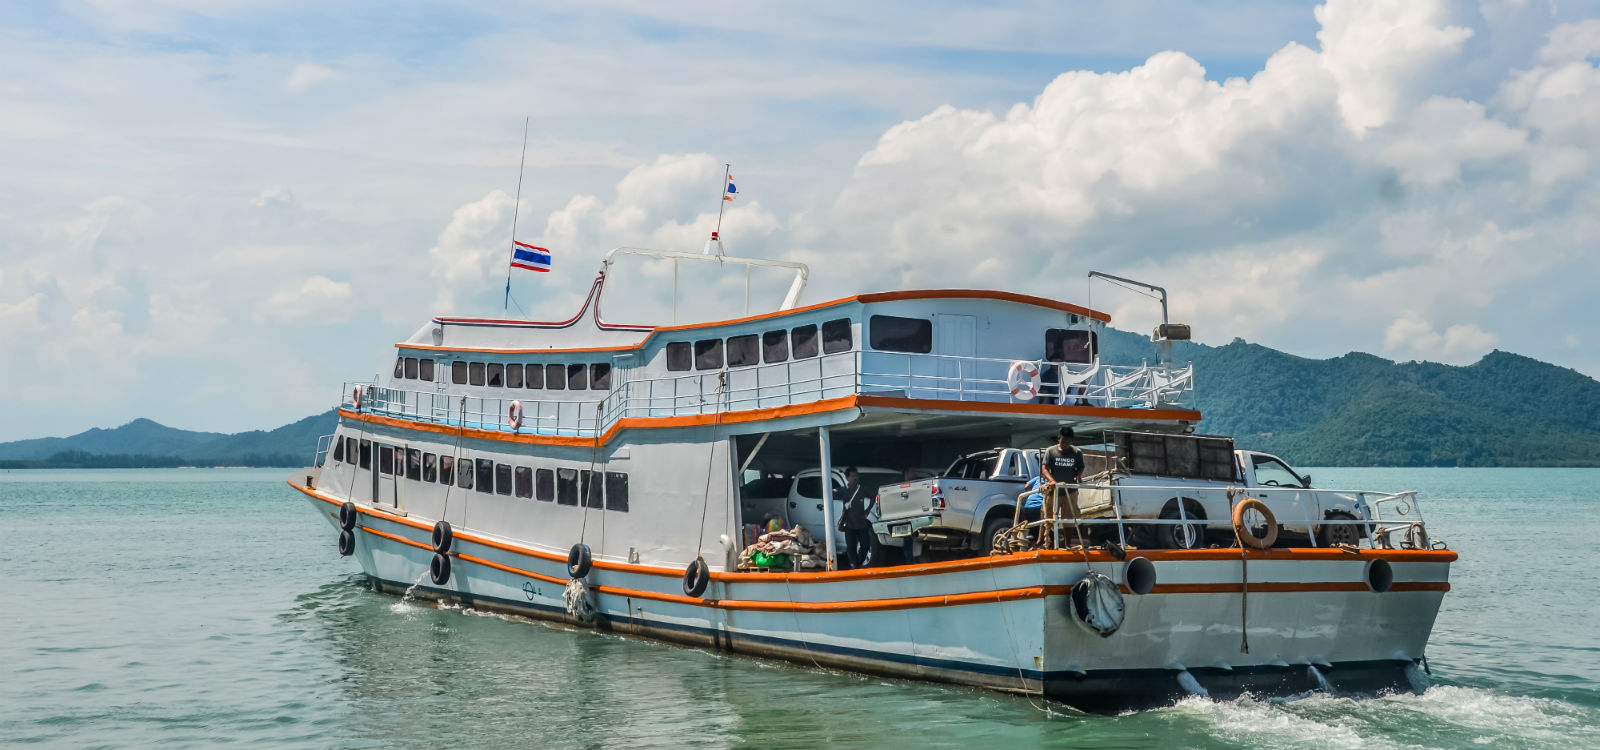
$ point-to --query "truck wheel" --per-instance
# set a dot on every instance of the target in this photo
(880, 555)
(1332, 534)
(992, 530)
(1182, 536)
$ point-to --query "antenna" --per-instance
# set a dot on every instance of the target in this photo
(515, 209)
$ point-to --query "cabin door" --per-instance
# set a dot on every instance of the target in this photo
(955, 343)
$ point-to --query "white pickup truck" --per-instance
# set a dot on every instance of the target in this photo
(975, 499)
(798, 499)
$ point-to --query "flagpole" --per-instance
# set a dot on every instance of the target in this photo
(515, 208)
(722, 201)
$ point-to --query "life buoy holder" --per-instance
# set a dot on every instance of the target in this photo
(1023, 380)
(579, 561)
(514, 415)
(696, 578)
(1248, 537)
(439, 569)
(443, 537)
(355, 397)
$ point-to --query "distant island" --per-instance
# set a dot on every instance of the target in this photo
(1354, 410)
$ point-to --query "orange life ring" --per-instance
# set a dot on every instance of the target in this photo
(1245, 536)
(355, 397)
(514, 415)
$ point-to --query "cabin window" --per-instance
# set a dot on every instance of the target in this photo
(524, 482)
(411, 368)
(775, 346)
(535, 377)
(338, 450)
(399, 367)
(513, 376)
(600, 376)
(891, 333)
(413, 464)
(836, 336)
(385, 460)
(497, 375)
(447, 470)
(426, 372)
(350, 450)
(1070, 346)
(458, 373)
(544, 484)
(743, 351)
(485, 475)
(475, 373)
(502, 478)
(366, 454)
(464, 476)
(566, 486)
(555, 377)
(590, 486)
(617, 491)
(811, 487)
(679, 357)
(804, 342)
(708, 354)
(430, 467)
(577, 377)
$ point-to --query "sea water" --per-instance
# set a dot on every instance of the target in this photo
(210, 608)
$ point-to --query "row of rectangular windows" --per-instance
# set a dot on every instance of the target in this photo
(562, 486)
(591, 377)
(754, 349)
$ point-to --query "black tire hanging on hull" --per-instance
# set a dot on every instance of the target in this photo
(347, 543)
(439, 569)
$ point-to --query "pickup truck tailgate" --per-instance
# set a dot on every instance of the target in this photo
(907, 500)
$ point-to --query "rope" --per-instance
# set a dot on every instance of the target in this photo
(711, 456)
(461, 427)
(594, 458)
(1244, 583)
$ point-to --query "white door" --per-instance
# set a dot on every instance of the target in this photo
(954, 336)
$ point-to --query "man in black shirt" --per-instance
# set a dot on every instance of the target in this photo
(1062, 462)
(855, 524)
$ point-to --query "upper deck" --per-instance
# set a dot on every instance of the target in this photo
(933, 359)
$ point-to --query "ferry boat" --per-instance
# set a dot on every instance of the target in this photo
(591, 473)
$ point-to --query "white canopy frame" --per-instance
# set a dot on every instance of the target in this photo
(802, 272)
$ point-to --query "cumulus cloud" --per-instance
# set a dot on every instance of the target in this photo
(471, 249)
(1457, 344)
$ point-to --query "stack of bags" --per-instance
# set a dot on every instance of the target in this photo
(783, 550)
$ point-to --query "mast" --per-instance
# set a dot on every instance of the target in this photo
(515, 208)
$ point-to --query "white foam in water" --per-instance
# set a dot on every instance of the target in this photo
(1542, 720)
(1249, 722)
(404, 605)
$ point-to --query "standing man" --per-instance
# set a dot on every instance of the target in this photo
(1062, 462)
(855, 524)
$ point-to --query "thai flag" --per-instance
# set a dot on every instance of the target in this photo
(526, 256)
(732, 192)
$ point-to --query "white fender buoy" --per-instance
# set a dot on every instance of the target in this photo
(580, 604)
(1023, 380)
(1096, 604)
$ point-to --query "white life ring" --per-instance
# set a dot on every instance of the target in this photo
(355, 397)
(514, 415)
(1023, 380)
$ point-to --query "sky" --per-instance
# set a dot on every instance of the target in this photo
(213, 214)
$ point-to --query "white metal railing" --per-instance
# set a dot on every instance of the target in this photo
(1405, 512)
(922, 376)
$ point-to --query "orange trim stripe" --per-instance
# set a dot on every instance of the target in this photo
(914, 294)
(895, 402)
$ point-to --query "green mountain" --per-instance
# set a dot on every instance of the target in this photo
(1362, 410)
(143, 442)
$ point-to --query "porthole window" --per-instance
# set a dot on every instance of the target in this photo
(803, 342)
(497, 375)
(744, 351)
(600, 376)
(555, 377)
(513, 376)
(836, 336)
(524, 480)
(775, 346)
(475, 374)
(891, 333)
(458, 373)
(535, 377)
(708, 354)
(679, 357)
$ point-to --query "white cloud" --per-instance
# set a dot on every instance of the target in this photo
(306, 76)
(1458, 344)
(475, 244)
(317, 299)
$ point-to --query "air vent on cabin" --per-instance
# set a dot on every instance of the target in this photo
(438, 336)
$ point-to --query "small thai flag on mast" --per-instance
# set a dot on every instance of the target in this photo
(731, 192)
(526, 256)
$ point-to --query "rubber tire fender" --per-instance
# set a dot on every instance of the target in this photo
(579, 561)
(348, 515)
(347, 543)
(439, 569)
(1245, 536)
(696, 578)
(443, 537)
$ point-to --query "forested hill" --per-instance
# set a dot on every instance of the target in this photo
(1362, 410)
(1355, 410)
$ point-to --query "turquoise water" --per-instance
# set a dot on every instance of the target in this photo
(208, 608)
